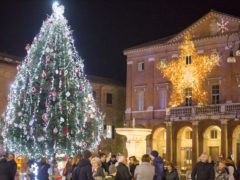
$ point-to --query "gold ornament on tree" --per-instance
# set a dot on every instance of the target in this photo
(188, 72)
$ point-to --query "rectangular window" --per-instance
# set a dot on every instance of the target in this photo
(188, 59)
(109, 98)
(214, 134)
(188, 97)
(141, 66)
(140, 100)
(163, 98)
(215, 94)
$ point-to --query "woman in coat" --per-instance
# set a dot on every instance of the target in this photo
(171, 173)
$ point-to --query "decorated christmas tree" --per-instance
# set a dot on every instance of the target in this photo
(50, 106)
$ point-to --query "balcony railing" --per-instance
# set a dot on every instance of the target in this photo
(218, 109)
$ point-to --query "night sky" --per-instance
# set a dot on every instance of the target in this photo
(104, 28)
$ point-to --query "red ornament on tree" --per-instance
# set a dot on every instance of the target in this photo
(44, 117)
(60, 73)
(27, 47)
(65, 131)
(47, 58)
(44, 74)
(54, 94)
(33, 89)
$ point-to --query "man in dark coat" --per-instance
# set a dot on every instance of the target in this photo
(103, 158)
(203, 170)
(122, 170)
(158, 164)
(84, 169)
(13, 166)
(4, 169)
(43, 167)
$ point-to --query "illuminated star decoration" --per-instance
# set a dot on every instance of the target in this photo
(222, 26)
(188, 73)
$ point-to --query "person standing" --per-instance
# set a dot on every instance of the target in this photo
(203, 170)
(157, 162)
(4, 169)
(103, 158)
(98, 171)
(67, 172)
(43, 167)
(13, 166)
(84, 169)
(122, 169)
(145, 170)
(133, 164)
(111, 165)
(221, 171)
(171, 173)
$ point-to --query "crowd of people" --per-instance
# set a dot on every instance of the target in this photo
(119, 168)
(152, 167)
(222, 169)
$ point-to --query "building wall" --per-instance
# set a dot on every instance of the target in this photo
(7, 75)
(114, 113)
(151, 81)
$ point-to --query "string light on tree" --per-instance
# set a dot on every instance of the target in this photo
(188, 72)
(51, 97)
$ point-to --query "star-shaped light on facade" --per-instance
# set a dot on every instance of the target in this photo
(188, 71)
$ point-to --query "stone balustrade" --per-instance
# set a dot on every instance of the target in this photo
(209, 111)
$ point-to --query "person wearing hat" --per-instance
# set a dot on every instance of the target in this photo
(157, 162)
(84, 169)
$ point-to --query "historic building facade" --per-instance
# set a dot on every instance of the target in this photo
(182, 132)
(109, 96)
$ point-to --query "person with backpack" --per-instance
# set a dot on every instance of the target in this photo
(157, 162)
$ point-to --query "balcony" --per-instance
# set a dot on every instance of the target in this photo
(205, 112)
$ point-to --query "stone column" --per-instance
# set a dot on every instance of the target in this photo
(129, 91)
(169, 144)
(195, 142)
(224, 137)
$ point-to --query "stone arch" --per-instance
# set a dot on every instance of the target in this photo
(159, 141)
(236, 144)
(212, 141)
(184, 147)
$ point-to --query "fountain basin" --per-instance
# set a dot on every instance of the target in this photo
(136, 140)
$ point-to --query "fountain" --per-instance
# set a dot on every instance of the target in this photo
(136, 139)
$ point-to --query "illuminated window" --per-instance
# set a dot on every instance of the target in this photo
(214, 134)
(141, 66)
(215, 94)
(163, 98)
(140, 100)
(188, 59)
(188, 96)
(109, 98)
